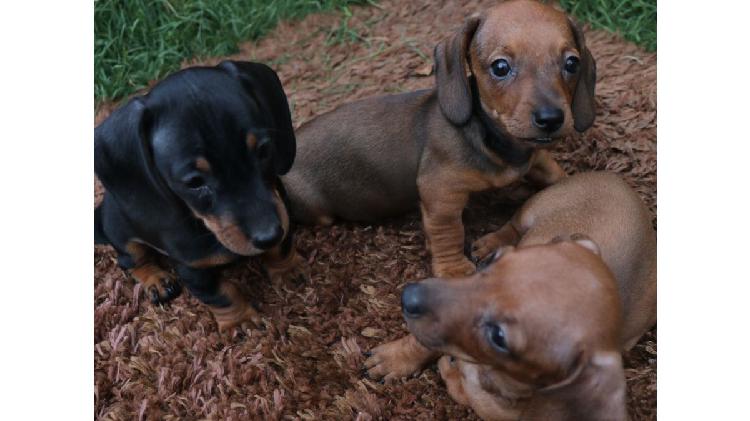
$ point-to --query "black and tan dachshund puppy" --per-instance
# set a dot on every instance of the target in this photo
(191, 172)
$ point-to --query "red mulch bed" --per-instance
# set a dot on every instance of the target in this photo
(171, 363)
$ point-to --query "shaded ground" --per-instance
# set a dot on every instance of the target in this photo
(171, 363)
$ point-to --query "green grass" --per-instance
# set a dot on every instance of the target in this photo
(136, 41)
(635, 20)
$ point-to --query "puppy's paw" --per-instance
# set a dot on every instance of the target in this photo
(395, 359)
(459, 269)
(295, 269)
(238, 315)
(483, 247)
(453, 379)
(447, 368)
(160, 286)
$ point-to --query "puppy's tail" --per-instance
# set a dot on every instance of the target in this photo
(99, 236)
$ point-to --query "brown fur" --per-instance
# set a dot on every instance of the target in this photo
(291, 266)
(582, 251)
(448, 157)
(147, 270)
(202, 165)
(238, 312)
(232, 237)
(251, 141)
(382, 156)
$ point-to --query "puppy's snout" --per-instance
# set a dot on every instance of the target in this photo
(413, 300)
(548, 119)
(267, 237)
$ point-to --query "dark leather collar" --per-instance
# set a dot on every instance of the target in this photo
(494, 138)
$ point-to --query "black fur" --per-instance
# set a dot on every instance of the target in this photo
(495, 139)
(145, 155)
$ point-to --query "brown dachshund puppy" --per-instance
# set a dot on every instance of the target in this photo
(537, 335)
(532, 82)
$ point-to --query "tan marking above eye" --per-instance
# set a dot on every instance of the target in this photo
(251, 141)
(202, 164)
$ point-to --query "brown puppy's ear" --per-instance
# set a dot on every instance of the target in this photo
(595, 389)
(584, 105)
(262, 84)
(582, 240)
(123, 157)
(586, 242)
(454, 93)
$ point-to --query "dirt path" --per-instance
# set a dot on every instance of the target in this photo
(170, 363)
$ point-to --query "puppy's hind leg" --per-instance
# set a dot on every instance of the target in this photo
(307, 205)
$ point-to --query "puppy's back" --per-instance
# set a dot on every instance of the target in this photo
(602, 206)
(359, 162)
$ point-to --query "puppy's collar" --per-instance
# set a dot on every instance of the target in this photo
(494, 138)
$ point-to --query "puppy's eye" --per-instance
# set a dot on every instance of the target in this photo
(496, 335)
(501, 68)
(571, 64)
(195, 181)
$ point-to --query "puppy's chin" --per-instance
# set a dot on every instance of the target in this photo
(246, 249)
(418, 328)
(527, 136)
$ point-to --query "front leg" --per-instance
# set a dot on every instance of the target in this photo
(545, 171)
(223, 298)
(158, 283)
(398, 358)
(442, 208)
(507, 235)
(284, 263)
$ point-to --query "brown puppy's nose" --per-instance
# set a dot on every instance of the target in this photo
(548, 119)
(413, 300)
(268, 237)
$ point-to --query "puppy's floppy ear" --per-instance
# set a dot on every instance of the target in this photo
(262, 84)
(586, 242)
(582, 240)
(595, 389)
(123, 158)
(583, 106)
(454, 92)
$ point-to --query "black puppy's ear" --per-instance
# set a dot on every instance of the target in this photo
(123, 159)
(454, 92)
(263, 85)
(584, 105)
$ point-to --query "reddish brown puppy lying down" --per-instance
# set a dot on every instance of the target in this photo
(537, 335)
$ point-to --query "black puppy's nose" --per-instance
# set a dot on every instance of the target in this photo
(413, 300)
(548, 119)
(268, 237)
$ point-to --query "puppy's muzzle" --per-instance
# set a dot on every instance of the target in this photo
(548, 119)
(414, 300)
